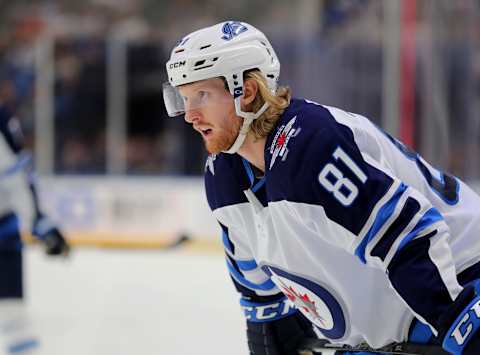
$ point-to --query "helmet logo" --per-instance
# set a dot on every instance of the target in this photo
(232, 29)
(177, 64)
(237, 92)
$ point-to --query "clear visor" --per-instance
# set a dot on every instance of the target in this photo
(199, 95)
(173, 100)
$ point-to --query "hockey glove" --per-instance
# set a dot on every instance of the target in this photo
(51, 237)
(461, 324)
(278, 337)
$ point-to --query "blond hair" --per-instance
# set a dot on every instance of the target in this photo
(277, 101)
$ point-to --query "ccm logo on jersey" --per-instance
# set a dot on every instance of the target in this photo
(177, 64)
(261, 312)
(466, 322)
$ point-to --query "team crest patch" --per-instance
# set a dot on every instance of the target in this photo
(232, 29)
(282, 137)
(305, 304)
(318, 302)
(209, 163)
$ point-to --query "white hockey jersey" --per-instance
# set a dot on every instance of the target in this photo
(15, 194)
(358, 231)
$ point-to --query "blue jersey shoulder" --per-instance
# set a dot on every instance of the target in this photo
(296, 126)
(303, 130)
(225, 180)
(312, 158)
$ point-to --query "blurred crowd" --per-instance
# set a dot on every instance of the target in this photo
(334, 57)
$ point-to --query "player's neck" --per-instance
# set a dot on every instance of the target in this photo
(253, 150)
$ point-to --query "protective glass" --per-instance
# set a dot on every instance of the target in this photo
(173, 100)
(201, 96)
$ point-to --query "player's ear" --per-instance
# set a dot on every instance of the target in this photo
(250, 89)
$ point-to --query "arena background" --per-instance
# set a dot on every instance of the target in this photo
(85, 79)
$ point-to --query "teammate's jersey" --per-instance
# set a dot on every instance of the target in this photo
(358, 231)
(15, 194)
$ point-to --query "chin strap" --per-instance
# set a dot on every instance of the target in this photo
(248, 118)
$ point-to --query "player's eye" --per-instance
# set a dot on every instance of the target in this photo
(203, 95)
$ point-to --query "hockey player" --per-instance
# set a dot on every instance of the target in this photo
(322, 209)
(19, 198)
(19, 206)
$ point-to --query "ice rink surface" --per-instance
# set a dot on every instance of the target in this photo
(126, 302)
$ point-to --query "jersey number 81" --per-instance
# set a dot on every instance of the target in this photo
(334, 181)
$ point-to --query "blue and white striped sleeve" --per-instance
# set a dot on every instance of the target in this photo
(392, 225)
(261, 300)
(242, 267)
(407, 237)
(14, 164)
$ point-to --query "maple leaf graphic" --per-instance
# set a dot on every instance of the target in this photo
(281, 140)
(303, 302)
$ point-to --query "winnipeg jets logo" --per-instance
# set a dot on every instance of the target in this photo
(279, 144)
(319, 302)
(303, 302)
(232, 29)
(209, 163)
(313, 307)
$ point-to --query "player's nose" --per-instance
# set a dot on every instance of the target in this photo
(192, 116)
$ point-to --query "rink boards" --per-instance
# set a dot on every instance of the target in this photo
(130, 212)
(133, 212)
